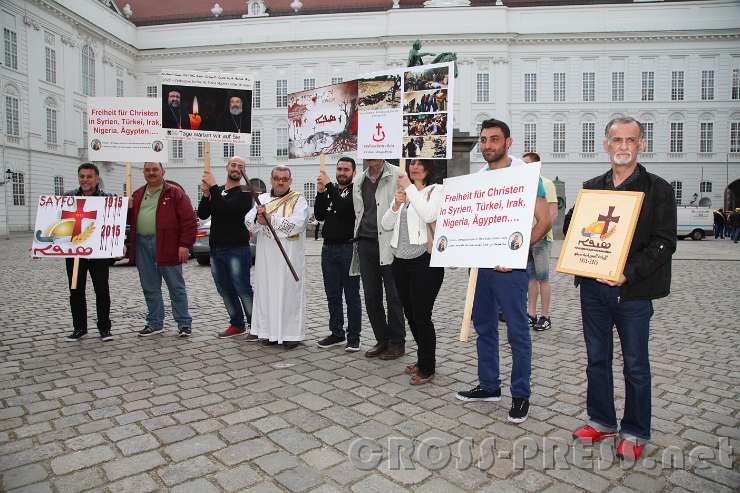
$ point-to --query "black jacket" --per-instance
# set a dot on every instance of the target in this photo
(648, 267)
(339, 222)
(226, 210)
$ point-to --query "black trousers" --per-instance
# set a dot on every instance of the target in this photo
(98, 269)
(418, 286)
(376, 278)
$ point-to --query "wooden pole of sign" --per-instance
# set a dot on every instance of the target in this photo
(402, 165)
(75, 272)
(322, 163)
(468, 310)
(129, 191)
(207, 156)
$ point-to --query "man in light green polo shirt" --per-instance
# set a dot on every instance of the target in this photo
(538, 264)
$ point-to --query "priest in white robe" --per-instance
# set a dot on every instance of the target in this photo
(279, 312)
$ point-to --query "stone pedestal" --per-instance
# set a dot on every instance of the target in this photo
(462, 144)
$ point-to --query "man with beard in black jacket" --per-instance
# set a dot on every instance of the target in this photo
(627, 303)
(334, 206)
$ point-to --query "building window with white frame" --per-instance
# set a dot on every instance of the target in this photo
(88, 71)
(309, 191)
(257, 94)
(677, 88)
(309, 84)
(558, 87)
(648, 86)
(482, 87)
(617, 86)
(58, 185)
(734, 137)
(229, 150)
(337, 80)
(119, 88)
(706, 137)
(558, 137)
(676, 137)
(177, 146)
(255, 147)
(281, 93)
(478, 127)
(200, 150)
(588, 137)
(647, 135)
(12, 116)
(11, 48)
(589, 86)
(735, 84)
(530, 88)
(707, 85)
(677, 191)
(705, 187)
(19, 188)
(281, 141)
(530, 137)
(51, 126)
(51, 64)
(151, 91)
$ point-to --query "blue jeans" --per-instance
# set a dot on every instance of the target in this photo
(230, 268)
(335, 262)
(151, 275)
(601, 310)
(508, 291)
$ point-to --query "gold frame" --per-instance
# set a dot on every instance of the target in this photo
(582, 208)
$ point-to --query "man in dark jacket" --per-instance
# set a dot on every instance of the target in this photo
(627, 303)
(231, 258)
(334, 206)
(89, 179)
(162, 231)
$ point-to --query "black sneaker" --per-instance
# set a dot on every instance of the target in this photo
(184, 331)
(76, 335)
(267, 342)
(478, 394)
(519, 410)
(290, 344)
(543, 323)
(251, 338)
(150, 331)
(330, 340)
(106, 336)
(352, 347)
(532, 321)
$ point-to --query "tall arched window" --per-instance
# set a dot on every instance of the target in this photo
(51, 121)
(88, 71)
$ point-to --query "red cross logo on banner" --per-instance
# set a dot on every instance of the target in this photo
(78, 215)
(380, 138)
(608, 219)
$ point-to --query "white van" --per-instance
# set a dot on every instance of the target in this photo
(694, 222)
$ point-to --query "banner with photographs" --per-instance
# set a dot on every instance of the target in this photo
(125, 129)
(406, 113)
(323, 120)
(208, 106)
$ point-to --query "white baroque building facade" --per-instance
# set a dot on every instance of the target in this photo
(556, 74)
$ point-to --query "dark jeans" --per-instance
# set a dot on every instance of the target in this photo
(736, 234)
(98, 269)
(375, 278)
(335, 262)
(418, 286)
(601, 310)
(507, 291)
(719, 231)
(230, 268)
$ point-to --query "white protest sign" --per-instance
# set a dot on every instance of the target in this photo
(83, 227)
(485, 219)
(125, 129)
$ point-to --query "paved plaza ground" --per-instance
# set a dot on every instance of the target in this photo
(203, 414)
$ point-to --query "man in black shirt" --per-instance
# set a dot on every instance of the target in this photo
(334, 206)
(231, 259)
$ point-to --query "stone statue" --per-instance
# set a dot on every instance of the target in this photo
(416, 56)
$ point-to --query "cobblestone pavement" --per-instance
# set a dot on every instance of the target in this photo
(205, 414)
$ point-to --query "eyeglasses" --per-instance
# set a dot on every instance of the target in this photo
(282, 179)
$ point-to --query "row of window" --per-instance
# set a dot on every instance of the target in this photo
(704, 187)
(675, 137)
(588, 86)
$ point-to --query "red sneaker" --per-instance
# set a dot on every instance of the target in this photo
(231, 331)
(629, 450)
(590, 434)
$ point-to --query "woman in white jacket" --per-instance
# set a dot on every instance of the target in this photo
(411, 218)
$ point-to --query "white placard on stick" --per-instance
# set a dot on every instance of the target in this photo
(81, 227)
(485, 219)
(125, 129)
